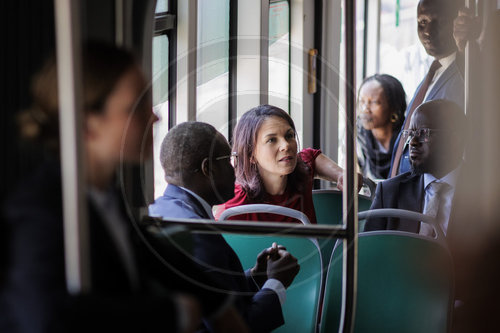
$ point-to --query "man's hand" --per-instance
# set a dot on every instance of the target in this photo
(466, 27)
(259, 271)
(283, 267)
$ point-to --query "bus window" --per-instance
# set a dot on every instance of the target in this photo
(401, 53)
(160, 106)
(279, 54)
(212, 68)
(161, 6)
(360, 26)
(160, 86)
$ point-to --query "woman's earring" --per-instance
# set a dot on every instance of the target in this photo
(394, 118)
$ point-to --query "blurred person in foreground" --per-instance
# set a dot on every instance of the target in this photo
(131, 289)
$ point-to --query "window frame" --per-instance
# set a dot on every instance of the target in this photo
(165, 23)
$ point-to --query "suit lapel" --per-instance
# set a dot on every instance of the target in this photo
(411, 103)
(220, 249)
(108, 267)
(411, 196)
(447, 75)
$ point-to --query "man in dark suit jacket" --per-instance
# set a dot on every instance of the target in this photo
(435, 31)
(437, 136)
(196, 160)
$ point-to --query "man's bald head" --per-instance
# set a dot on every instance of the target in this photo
(443, 149)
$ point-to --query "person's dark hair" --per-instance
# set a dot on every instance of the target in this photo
(185, 146)
(103, 65)
(395, 95)
(244, 138)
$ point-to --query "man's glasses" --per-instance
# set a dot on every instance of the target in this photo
(233, 157)
(421, 134)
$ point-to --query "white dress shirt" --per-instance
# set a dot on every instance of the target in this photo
(445, 63)
(446, 196)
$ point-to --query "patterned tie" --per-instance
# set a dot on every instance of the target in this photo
(419, 98)
(432, 207)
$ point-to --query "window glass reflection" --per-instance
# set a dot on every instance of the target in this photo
(212, 76)
(279, 54)
(161, 6)
(160, 107)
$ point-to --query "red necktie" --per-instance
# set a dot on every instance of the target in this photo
(419, 98)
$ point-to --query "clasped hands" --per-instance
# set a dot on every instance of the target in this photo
(277, 263)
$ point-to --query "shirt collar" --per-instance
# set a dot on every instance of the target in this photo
(204, 204)
(446, 61)
(450, 178)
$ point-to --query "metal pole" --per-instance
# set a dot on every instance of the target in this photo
(252, 228)
(350, 198)
(467, 69)
(264, 52)
(76, 245)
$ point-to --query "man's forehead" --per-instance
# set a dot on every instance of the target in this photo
(421, 119)
(433, 8)
(432, 116)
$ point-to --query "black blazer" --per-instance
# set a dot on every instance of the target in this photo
(261, 309)
(33, 294)
(405, 191)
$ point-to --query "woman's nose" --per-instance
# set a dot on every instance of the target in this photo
(284, 144)
(364, 107)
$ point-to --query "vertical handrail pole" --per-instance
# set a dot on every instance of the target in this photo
(350, 198)
(76, 245)
(264, 52)
(233, 69)
(467, 53)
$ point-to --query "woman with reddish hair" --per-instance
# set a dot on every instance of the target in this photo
(270, 169)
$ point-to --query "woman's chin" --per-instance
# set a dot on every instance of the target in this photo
(288, 170)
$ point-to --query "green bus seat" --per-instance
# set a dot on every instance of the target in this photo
(405, 284)
(264, 208)
(328, 208)
(302, 301)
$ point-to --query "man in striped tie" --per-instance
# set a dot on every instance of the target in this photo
(444, 80)
(436, 137)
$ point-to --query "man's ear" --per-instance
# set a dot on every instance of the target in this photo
(205, 167)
